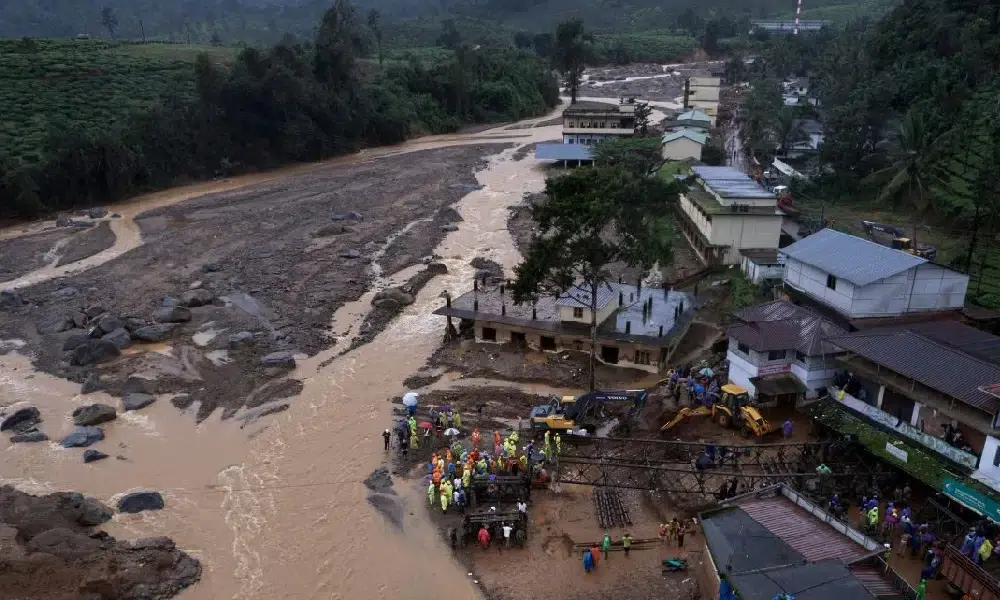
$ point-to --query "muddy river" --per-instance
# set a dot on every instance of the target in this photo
(275, 508)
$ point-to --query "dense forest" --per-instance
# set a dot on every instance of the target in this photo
(292, 102)
(910, 107)
(266, 21)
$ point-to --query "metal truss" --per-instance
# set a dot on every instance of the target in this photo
(673, 467)
(948, 526)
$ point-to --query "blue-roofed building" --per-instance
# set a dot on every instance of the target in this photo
(861, 279)
(725, 212)
(683, 144)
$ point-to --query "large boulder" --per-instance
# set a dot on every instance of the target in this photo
(74, 341)
(241, 338)
(82, 437)
(347, 216)
(21, 419)
(398, 296)
(438, 268)
(94, 414)
(91, 384)
(56, 324)
(139, 501)
(154, 333)
(134, 323)
(141, 385)
(64, 221)
(94, 352)
(29, 437)
(350, 253)
(10, 299)
(94, 310)
(172, 314)
(281, 360)
(66, 292)
(199, 297)
(79, 319)
(66, 544)
(109, 323)
(92, 455)
(136, 401)
(119, 337)
(98, 212)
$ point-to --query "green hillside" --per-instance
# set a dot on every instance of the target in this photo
(48, 87)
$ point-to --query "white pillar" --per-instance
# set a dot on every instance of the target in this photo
(881, 392)
(916, 414)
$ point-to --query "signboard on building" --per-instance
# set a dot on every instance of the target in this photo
(972, 499)
(895, 452)
(765, 370)
(903, 428)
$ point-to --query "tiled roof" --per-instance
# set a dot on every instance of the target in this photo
(936, 364)
(780, 325)
(851, 258)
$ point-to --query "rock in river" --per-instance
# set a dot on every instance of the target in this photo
(449, 228)
(283, 360)
(120, 338)
(55, 325)
(29, 437)
(10, 299)
(64, 221)
(154, 333)
(98, 212)
(140, 501)
(92, 455)
(74, 341)
(348, 216)
(241, 338)
(94, 414)
(173, 314)
(91, 384)
(199, 297)
(82, 437)
(109, 323)
(397, 295)
(350, 253)
(93, 352)
(21, 419)
(135, 401)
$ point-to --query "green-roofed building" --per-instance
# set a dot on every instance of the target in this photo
(692, 119)
(683, 143)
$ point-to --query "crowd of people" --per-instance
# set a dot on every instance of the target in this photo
(701, 384)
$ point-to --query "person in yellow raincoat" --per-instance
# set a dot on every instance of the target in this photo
(558, 444)
(414, 441)
(440, 464)
(431, 490)
(466, 476)
(514, 437)
(444, 500)
(458, 420)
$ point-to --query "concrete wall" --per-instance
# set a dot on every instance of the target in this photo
(744, 231)
(588, 138)
(681, 148)
(703, 93)
(704, 81)
(814, 372)
(987, 472)
(701, 222)
(757, 273)
(709, 108)
(566, 313)
(927, 287)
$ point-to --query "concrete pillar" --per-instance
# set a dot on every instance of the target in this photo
(916, 414)
(881, 392)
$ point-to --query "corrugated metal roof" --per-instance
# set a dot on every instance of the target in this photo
(739, 544)
(939, 366)
(780, 325)
(695, 136)
(563, 152)
(874, 581)
(579, 296)
(693, 115)
(851, 258)
(827, 580)
(763, 256)
(801, 530)
(728, 182)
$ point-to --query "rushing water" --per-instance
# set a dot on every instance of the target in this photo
(276, 509)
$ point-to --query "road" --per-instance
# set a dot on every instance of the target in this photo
(734, 149)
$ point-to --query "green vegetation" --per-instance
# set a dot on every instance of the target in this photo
(594, 217)
(744, 292)
(163, 119)
(842, 14)
(647, 46)
(912, 126)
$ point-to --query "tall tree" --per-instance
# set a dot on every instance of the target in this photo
(911, 169)
(450, 36)
(109, 20)
(570, 54)
(375, 26)
(639, 155)
(787, 130)
(337, 41)
(593, 217)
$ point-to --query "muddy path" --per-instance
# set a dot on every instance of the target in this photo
(274, 507)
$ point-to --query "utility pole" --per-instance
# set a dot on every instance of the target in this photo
(143, 31)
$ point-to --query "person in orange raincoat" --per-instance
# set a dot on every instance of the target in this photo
(449, 457)
(436, 477)
(476, 438)
(496, 438)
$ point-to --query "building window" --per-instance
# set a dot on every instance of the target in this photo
(577, 313)
(776, 355)
(996, 457)
(547, 343)
(800, 357)
(831, 282)
(489, 334)
(743, 349)
(642, 357)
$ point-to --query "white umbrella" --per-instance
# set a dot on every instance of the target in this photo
(410, 399)
(451, 431)
(706, 372)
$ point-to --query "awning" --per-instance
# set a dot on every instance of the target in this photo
(778, 384)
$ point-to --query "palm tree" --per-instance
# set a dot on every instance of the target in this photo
(910, 150)
(786, 130)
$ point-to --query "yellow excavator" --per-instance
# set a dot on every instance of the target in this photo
(733, 409)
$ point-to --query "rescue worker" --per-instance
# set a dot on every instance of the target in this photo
(496, 438)
(466, 478)
(386, 436)
(431, 490)
(558, 444)
(476, 438)
(412, 424)
(627, 544)
(458, 420)
(444, 499)
(873, 518)
(484, 537)
(588, 561)
(662, 533)
(414, 441)
(606, 545)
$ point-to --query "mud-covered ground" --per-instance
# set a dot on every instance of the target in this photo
(87, 243)
(25, 254)
(663, 83)
(275, 260)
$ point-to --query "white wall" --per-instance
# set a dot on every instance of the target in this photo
(927, 287)
(703, 93)
(815, 373)
(745, 231)
(693, 213)
(566, 313)
(681, 148)
(741, 370)
(987, 473)
(704, 81)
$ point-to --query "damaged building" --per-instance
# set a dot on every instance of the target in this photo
(637, 326)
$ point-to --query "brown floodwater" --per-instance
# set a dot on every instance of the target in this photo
(275, 508)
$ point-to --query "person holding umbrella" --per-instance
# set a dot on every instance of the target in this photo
(410, 402)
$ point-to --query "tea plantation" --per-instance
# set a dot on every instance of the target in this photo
(49, 87)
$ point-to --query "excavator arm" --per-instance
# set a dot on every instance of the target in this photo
(685, 413)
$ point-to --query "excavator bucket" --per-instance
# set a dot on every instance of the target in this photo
(685, 413)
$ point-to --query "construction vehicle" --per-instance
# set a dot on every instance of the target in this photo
(899, 240)
(586, 411)
(734, 409)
